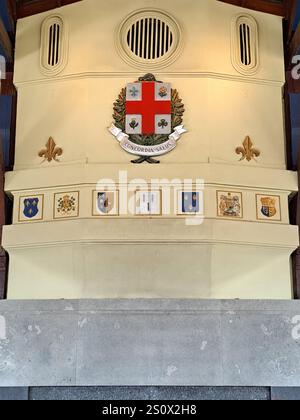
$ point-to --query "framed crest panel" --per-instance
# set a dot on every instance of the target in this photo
(31, 208)
(105, 203)
(148, 203)
(230, 204)
(268, 207)
(66, 205)
(190, 202)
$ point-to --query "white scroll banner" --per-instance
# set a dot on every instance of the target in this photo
(140, 150)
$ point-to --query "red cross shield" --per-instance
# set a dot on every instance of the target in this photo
(148, 108)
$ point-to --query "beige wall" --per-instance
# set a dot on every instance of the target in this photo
(219, 115)
(206, 27)
(117, 258)
(222, 106)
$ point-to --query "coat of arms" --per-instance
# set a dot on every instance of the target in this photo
(105, 202)
(66, 204)
(31, 207)
(190, 202)
(229, 205)
(148, 118)
(268, 206)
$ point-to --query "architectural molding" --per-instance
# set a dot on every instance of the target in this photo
(97, 75)
(162, 231)
(211, 173)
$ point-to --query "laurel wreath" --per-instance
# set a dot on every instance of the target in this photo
(119, 116)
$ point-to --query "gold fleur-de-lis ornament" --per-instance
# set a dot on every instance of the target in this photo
(51, 151)
(248, 152)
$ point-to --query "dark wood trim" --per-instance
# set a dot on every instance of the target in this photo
(6, 85)
(3, 273)
(3, 258)
(293, 84)
(296, 255)
(291, 9)
(13, 123)
(288, 129)
(32, 7)
(11, 8)
(6, 42)
(296, 273)
(294, 44)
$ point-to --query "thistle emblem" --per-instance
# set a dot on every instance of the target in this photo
(248, 152)
(51, 151)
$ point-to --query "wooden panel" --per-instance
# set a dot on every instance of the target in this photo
(3, 259)
(293, 84)
(5, 42)
(296, 255)
(291, 9)
(12, 13)
(294, 46)
(6, 85)
(32, 7)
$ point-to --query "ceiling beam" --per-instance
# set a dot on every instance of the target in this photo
(294, 45)
(261, 6)
(6, 85)
(12, 13)
(293, 85)
(291, 9)
(32, 7)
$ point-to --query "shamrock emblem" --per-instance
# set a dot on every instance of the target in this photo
(163, 123)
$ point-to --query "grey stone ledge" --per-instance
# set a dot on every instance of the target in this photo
(155, 342)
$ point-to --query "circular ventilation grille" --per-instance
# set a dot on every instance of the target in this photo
(149, 38)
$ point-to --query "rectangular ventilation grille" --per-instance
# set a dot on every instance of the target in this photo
(54, 45)
(245, 44)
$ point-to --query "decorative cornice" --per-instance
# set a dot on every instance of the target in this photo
(135, 74)
(113, 231)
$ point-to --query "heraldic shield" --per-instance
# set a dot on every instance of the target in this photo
(268, 207)
(190, 202)
(105, 202)
(31, 207)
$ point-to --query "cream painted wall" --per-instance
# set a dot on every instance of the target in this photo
(150, 258)
(75, 107)
(219, 115)
(206, 27)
